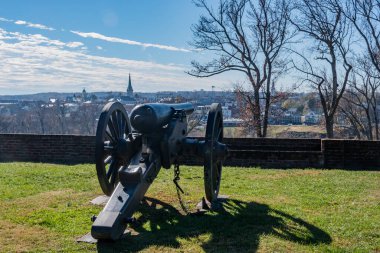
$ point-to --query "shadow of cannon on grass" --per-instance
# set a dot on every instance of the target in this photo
(236, 227)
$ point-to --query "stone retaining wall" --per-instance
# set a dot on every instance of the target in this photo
(68, 149)
(264, 152)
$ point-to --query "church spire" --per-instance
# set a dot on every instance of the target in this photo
(130, 89)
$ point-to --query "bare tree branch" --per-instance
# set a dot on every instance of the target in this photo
(248, 36)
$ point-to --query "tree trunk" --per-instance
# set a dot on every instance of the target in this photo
(267, 105)
(266, 116)
(376, 127)
(369, 126)
(256, 113)
(42, 126)
(330, 126)
(376, 122)
(356, 130)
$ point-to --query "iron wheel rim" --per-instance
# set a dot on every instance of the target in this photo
(113, 125)
(213, 166)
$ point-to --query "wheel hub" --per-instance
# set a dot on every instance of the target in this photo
(121, 149)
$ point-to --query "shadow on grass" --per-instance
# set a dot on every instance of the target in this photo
(236, 227)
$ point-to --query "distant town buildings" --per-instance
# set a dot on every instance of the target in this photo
(69, 104)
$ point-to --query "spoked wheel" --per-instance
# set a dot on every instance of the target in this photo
(214, 152)
(111, 133)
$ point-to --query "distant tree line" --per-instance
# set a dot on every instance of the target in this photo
(52, 118)
(333, 46)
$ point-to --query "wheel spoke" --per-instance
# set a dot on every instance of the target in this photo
(108, 160)
(112, 129)
(115, 123)
(109, 136)
(108, 148)
(124, 127)
(113, 175)
(121, 125)
(111, 169)
(109, 173)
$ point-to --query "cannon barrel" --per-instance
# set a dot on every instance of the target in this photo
(147, 118)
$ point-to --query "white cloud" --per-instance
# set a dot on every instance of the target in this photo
(5, 20)
(99, 48)
(34, 63)
(129, 42)
(36, 40)
(32, 25)
(20, 22)
(99, 36)
(74, 44)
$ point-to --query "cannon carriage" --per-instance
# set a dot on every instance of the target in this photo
(130, 152)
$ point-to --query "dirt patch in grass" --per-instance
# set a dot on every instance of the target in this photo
(20, 238)
(374, 194)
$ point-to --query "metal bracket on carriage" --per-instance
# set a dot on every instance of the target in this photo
(130, 175)
(205, 206)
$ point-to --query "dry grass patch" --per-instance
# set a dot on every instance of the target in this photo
(23, 238)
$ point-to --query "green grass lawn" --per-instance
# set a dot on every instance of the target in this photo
(45, 207)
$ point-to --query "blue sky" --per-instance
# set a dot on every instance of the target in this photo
(67, 45)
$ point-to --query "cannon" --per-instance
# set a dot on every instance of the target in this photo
(130, 152)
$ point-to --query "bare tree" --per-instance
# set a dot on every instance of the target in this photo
(41, 113)
(60, 111)
(323, 22)
(6, 122)
(86, 118)
(353, 116)
(27, 122)
(195, 120)
(247, 36)
(361, 97)
(365, 16)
